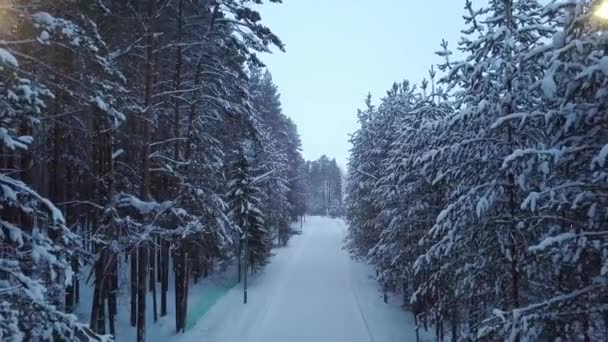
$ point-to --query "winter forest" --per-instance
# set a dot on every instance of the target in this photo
(145, 152)
(140, 138)
(480, 195)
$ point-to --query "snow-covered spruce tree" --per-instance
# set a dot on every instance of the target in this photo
(243, 199)
(272, 153)
(395, 109)
(278, 152)
(275, 204)
(477, 242)
(296, 173)
(363, 168)
(411, 200)
(37, 248)
(371, 145)
(564, 184)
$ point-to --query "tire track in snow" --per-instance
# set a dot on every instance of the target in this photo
(357, 300)
(262, 319)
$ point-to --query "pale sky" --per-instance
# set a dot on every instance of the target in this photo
(339, 50)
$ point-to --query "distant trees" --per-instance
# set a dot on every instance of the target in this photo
(118, 128)
(482, 200)
(325, 187)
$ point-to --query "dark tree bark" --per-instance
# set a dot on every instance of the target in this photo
(180, 289)
(142, 277)
(239, 266)
(178, 79)
(112, 294)
(153, 283)
(98, 323)
(134, 287)
(164, 277)
(159, 256)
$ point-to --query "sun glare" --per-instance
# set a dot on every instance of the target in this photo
(602, 11)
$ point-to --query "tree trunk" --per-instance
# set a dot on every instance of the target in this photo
(98, 307)
(153, 283)
(178, 78)
(142, 254)
(239, 266)
(134, 288)
(76, 290)
(112, 289)
(142, 277)
(70, 291)
(151, 261)
(164, 277)
(181, 288)
(196, 264)
(206, 262)
(159, 256)
(245, 263)
(186, 289)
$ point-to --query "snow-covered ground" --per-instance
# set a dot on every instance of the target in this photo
(311, 291)
(207, 289)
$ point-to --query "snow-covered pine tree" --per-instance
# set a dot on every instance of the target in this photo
(38, 250)
(198, 92)
(563, 179)
(296, 173)
(411, 200)
(394, 110)
(371, 145)
(477, 244)
(272, 153)
(363, 168)
(184, 68)
(275, 202)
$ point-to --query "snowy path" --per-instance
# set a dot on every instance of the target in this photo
(311, 291)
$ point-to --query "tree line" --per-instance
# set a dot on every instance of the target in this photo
(481, 195)
(324, 189)
(137, 137)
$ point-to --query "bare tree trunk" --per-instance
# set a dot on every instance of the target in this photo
(245, 263)
(112, 289)
(98, 307)
(196, 264)
(152, 266)
(186, 289)
(159, 254)
(455, 324)
(142, 277)
(153, 282)
(417, 327)
(178, 78)
(181, 282)
(134, 287)
(239, 261)
(70, 291)
(206, 264)
(164, 277)
(142, 255)
(104, 267)
(177, 273)
(77, 288)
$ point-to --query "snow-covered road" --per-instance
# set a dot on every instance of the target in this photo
(311, 291)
